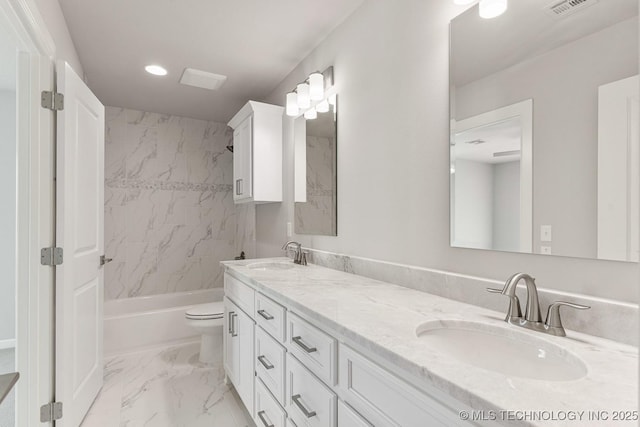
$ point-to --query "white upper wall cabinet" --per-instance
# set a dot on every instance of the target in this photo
(257, 153)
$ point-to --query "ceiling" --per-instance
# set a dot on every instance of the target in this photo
(480, 144)
(481, 47)
(256, 43)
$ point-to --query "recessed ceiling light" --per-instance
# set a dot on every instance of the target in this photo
(156, 70)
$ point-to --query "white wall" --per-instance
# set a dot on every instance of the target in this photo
(7, 213)
(57, 25)
(506, 206)
(392, 76)
(473, 215)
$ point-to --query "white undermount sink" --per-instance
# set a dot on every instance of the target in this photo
(271, 265)
(503, 350)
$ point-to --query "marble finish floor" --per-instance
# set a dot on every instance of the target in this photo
(166, 387)
(7, 408)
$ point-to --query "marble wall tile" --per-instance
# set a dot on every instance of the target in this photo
(169, 212)
(610, 319)
(317, 216)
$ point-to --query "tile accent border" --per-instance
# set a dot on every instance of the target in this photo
(609, 319)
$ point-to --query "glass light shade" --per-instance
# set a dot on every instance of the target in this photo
(292, 104)
(463, 2)
(492, 8)
(304, 100)
(332, 99)
(323, 107)
(316, 86)
(311, 114)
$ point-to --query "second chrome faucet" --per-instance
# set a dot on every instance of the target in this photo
(299, 256)
(532, 318)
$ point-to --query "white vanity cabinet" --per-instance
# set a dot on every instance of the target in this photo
(238, 351)
(303, 376)
(238, 339)
(257, 153)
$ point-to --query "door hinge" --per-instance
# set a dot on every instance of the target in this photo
(51, 256)
(50, 412)
(52, 100)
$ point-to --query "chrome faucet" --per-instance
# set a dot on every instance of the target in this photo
(299, 256)
(532, 317)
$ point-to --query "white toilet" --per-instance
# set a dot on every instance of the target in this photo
(206, 318)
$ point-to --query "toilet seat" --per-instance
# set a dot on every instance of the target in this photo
(214, 310)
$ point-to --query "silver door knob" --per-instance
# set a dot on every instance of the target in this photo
(104, 260)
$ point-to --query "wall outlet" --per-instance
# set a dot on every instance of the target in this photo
(289, 229)
(545, 250)
(545, 233)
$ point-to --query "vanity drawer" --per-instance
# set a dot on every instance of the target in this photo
(269, 363)
(242, 295)
(268, 412)
(310, 403)
(347, 417)
(314, 348)
(385, 400)
(271, 316)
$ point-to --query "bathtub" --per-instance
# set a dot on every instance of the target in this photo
(132, 324)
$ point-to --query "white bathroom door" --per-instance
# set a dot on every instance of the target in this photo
(619, 170)
(80, 233)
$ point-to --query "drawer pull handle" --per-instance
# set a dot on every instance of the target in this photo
(265, 315)
(234, 332)
(230, 322)
(298, 340)
(297, 399)
(265, 362)
(263, 417)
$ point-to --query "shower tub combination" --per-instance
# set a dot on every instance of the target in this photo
(135, 323)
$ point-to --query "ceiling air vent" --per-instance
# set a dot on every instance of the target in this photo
(202, 79)
(563, 8)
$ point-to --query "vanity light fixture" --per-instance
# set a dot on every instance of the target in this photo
(311, 114)
(304, 98)
(310, 96)
(292, 104)
(492, 8)
(323, 106)
(156, 70)
(316, 86)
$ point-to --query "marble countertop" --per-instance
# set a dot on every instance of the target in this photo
(382, 318)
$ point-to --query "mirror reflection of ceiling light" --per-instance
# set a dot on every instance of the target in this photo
(492, 8)
(156, 70)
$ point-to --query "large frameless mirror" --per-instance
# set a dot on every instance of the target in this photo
(315, 173)
(545, 129)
